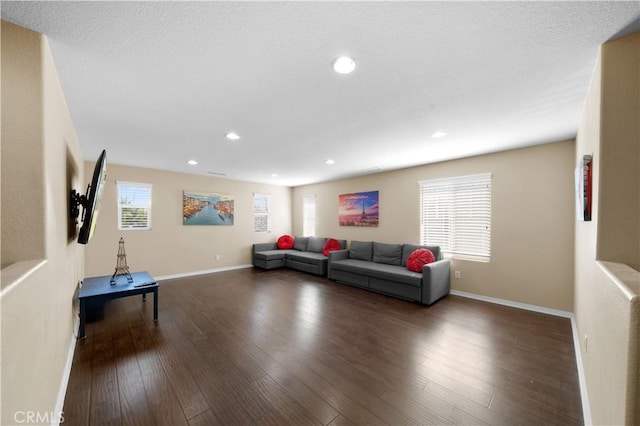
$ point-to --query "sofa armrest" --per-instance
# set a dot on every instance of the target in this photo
(264, 247)
(334, 256)
(338, 255)
(436, 281)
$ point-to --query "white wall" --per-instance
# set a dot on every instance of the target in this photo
(22, 151)
(606, 311)
(42, 265)
(619, 196)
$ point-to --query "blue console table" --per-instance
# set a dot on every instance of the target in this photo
(100, 289)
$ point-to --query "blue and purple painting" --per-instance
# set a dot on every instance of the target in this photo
(358, 209)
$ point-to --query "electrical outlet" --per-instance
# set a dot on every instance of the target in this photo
(457, 274)
(217, 257)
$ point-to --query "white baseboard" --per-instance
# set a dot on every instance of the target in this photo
(64, 382)
(586, 410)
(584, 395)
(203, 272)
(505, 302)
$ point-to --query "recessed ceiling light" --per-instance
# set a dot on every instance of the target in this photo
(232, 136)
(372, 170)
(274, 175)
(192, 162)
(439, 134)
(343, 65)
(329, 162)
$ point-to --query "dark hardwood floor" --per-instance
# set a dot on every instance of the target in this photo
(282, 347)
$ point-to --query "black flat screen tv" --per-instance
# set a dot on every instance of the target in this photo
(91, 200)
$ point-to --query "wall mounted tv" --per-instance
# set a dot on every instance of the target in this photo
(90, 201)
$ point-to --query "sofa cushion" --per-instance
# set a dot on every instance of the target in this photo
(306, 257)
(362, 250)
(407, 249)
(271, 254)
(285, 242)
(390, 254)
(418, 258)
(331, 245)
(379, 270)
(301, 243)
(316, 244)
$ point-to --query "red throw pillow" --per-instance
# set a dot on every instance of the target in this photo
(418, 258)
(330, 245)
(285, 242)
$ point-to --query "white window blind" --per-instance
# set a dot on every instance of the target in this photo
(456, 215)
(309, 215)
(261, 212)
(134, 206)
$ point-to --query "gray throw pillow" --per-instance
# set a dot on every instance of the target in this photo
(300, 243)
(316, 244)
(362, 250)
(390, 254)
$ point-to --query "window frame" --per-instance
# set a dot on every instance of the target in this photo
(460, 220)
(120, 185)
(257, 214)
(309, 215)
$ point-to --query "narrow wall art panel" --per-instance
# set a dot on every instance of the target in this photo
(584, 188)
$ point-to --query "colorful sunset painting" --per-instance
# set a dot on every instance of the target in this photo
(358, 209)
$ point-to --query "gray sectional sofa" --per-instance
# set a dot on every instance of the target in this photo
(306, 255)
(382, 268)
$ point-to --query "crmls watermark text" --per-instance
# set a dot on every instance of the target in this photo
(34, 417)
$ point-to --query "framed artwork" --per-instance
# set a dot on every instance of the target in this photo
(584, 189)
(207, 208)
(358, 209)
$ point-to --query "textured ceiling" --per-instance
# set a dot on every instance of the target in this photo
(160, 83)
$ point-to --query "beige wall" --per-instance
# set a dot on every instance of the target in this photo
(532, 220)
(22, 121)
(604, 310)
(38, 283)
(619, 225)
(170, 247)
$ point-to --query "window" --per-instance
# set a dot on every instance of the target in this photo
(456, 215)
(134, 206)
(261, 212)
(309, 215)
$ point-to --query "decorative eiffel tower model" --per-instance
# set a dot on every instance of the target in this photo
(121, 265)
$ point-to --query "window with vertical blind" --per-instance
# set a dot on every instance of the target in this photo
(134, 206)
(261, 212)
(309, 215)
(456, 215)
